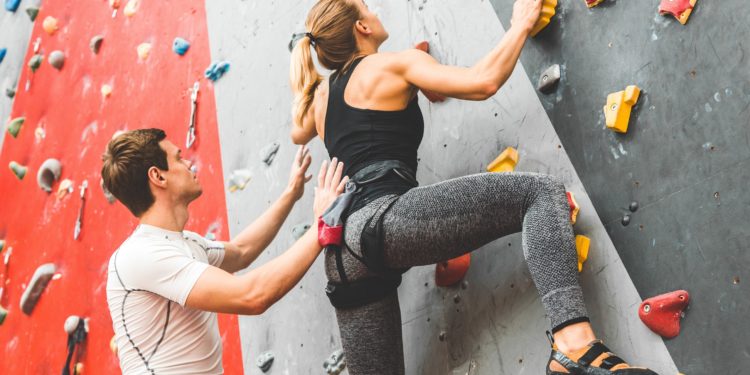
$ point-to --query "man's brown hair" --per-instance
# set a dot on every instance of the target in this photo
(126, 163)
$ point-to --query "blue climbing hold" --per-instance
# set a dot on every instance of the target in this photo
(3, 51)
(216, 70)
(180, 46)
(12, 5)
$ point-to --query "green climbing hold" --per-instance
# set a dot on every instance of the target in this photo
(32, 12)
(14, 126)
(35, 62)
(18, 170)
(3, 314)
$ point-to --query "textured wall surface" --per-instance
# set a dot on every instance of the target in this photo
(498, 325)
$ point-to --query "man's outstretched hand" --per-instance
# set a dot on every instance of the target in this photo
(297, 177)
(330, 185)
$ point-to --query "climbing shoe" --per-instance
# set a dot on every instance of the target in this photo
(594, 359)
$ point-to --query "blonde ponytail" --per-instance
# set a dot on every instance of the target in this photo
(304, 79)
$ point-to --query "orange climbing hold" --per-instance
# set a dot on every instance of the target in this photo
(452, 271)
(582, 248)
(506, 162)
(680, 9)
(50, 25)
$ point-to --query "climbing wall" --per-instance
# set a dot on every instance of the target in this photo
(494, 322)
(684, 159)
(68, 118)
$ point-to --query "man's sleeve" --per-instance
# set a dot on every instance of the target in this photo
(214, 249)
(164, 269)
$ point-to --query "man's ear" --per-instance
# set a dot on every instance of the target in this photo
(156, 177)
(362, 28)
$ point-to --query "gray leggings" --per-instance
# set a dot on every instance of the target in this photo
(435, 223)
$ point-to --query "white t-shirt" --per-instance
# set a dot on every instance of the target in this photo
(151, 275)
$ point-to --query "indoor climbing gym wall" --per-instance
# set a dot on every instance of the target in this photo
(85, 71)
(641, 108)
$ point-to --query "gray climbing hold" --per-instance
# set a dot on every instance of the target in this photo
(633, 206)
(10, 92)
(442, 336)
(625, 220)
(48, 173)
(180, 46)
(336, 363)
(96, 43)
(268, 153)
(264, 361)
(18, 169)
(3, 314)
(2, 245)
(299, 230)
(12, 5)
(14, 126)
(56, 59)
(457, 298)
(549, 79)
(71, 323)
(36, 287)
(110, 198)
(3, 52)
(35, 62)
(32, 12)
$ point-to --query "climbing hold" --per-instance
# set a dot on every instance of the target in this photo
(549, 79)
(77, 329)
(662, 313)
(50, 25)
(268, 153)
(633, 206)
(216, 70)
(680, 9)
(12, 5)
(56, 59)
(625, 220)
(110, 198)
(106, 91)
(18, 169)
(548, 11)
(619, 105)
(180, 46)
(114, 4)
(442, 336)
(96, 43)
(2, 245)
(593, 3)
(39, 134)
(48, 173)
(506, 162)
(582, 248)
(32, 12)
(239, 179)
(574, 207)
(144, 49)
(299, 230)
(71, 323)
(14, 126)
(264, 361)
(431, 96)
(65, 188)
(457, 298)
(336, 363)
(131, 8)
(36, 286)
(78, 369)
(35, 62)
(450, 272)
(3, 52)
(113, 345)
(10, 92)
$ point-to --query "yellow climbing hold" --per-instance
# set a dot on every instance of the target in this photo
(144, 49)
(618, 108)
(131, 8)
(106, 91)
(548, 11)
(506, 162)
(582, 248)
(50, 25)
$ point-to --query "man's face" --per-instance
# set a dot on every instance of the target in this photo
(182, 182)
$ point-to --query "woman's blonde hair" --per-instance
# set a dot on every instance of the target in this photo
(330, 30)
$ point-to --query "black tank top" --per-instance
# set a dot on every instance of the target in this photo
(359, 137)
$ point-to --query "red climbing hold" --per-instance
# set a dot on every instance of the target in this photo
(680, 9)
(452, 271)
(662, 313)
(574, 207)
(431, 96)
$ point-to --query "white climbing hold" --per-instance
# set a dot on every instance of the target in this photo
(264, 361)
(39, 134)
(65, 188)
(144, 49)
(48, 173)
(106, 91)
(131, 8)
(71, 323)
(336, 363)
(239, 179)
(56, 59)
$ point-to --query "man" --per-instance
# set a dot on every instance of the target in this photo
(165, 285)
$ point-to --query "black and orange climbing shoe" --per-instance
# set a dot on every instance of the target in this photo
(594, 359)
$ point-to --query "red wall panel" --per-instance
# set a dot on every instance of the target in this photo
(78, 123)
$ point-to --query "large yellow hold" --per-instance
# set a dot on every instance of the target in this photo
(506, 162)
(618, 108)
(582, 248)
(548, 11)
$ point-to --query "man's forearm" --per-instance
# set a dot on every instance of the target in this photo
(258, 235)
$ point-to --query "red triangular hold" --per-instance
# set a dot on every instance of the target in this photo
(662, 313)
(452, 271)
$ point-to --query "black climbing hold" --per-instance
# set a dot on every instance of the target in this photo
(96, 43)
(10, 92)
(625, 220)
(633, 206)
(32, 12)
(549, 79)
